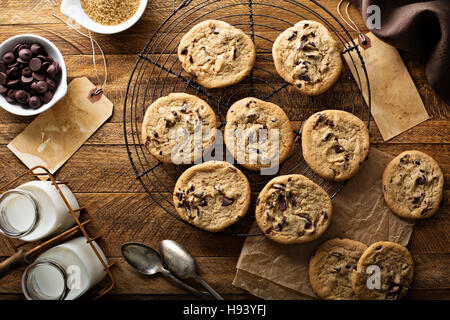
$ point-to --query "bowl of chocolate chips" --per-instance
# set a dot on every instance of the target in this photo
(33, 75)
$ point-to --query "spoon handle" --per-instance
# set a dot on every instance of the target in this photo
(201, 295)
(208, 287)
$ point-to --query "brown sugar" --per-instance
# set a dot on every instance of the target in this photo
(110, 12)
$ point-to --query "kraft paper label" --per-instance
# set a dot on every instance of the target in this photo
(396, 104)
(55, 135)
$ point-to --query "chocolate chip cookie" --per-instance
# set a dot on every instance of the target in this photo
(216, 54)
(293, 209)
(331, 267)
(335, 143)
(258, 133)
(307, 56)
(178, 128)
(212, 195)
(413, 185)
(384, 271)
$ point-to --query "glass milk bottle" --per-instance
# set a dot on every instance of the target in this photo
(64, 272)
(35, 210)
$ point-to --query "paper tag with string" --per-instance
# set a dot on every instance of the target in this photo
(396, 103)
(56, 134)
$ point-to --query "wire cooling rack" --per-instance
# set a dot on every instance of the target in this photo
(158, 72)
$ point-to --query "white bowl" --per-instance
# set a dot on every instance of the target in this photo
(73, 10)
(52, 51)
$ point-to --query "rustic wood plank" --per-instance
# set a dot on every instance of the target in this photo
(110, 171)
(430, 132)
(124, 217)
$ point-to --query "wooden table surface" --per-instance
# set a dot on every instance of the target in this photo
(103, 181)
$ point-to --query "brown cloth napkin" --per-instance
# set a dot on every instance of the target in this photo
(421, 27)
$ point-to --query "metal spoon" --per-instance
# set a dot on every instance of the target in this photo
(182, 263)
(147, 261)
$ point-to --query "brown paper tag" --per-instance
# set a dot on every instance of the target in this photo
(396, 104)
(55, 135)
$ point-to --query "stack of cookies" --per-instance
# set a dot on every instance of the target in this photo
(344, 269)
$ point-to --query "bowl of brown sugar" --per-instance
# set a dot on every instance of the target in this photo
(104, 16)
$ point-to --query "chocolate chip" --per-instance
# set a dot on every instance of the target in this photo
(417, 162)
(425, 211)
(41, 87)
(179, 196)
(47, 97)
(302, 45)
(327, 137)
(22, 96)
(13, 73)
(279, 186)
(405, 266)
(293, 35)
(52, 70)
(203, 203)
(183, 108)
(308, 220)
(34, 102)
(325, 215)
(378, 248)
(9, 58)
(339, 149)
(25, 54)
(36, 49)
(215, 30)
(3, 78)
(329, 123)
(12, 83)
(35, 64)
(198, 194)
(38, 76)
(51, 84)
(282, 202)
(184, 51)
(26, 80)
(11, 93)
(26, 72)
(188, 211)
(305, 77)
(226, 201)
(421, 180)
(416, 199)
(269, 230)
(191, 60)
